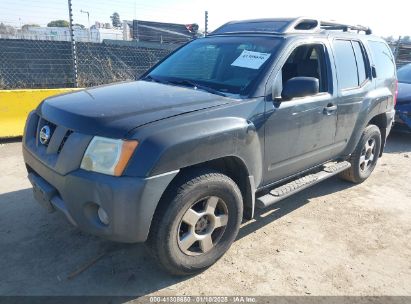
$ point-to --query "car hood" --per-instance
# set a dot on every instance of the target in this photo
(114, 110)
(404, 92)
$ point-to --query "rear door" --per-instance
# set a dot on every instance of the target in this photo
(354, 83)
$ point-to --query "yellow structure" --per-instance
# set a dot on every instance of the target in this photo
(15, 106)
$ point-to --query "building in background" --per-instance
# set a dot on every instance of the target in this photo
(95, 34)
(161, 32)
(137, 30)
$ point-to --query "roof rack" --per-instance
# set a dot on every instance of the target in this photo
(286, 26)
(331, 25)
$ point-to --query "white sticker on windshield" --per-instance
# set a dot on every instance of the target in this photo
(251, 60)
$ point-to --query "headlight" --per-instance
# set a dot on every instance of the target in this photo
(108, 156)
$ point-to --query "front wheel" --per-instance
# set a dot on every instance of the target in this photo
(196, 223)
(365, 157)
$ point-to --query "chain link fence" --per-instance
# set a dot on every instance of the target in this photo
(41, 55)
(49, 64)
(35, 64)
(102, 63)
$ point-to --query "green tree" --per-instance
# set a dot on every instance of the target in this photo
(6, 29)
(26, 26)
(58, 23)
(406, 39)
(389, 38)
(115, 19)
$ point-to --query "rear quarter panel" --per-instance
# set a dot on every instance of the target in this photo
(358, 107)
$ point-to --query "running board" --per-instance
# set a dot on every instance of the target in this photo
(301, 183)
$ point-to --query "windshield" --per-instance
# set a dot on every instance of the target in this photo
(404, 74)
(229, 65)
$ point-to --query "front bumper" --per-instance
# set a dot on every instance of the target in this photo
(129, 202)
(59, 184)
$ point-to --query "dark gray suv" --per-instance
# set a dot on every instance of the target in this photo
(238, 120)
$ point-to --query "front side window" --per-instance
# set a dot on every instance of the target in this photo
(346, 64)
(307, 61)
(230, 65)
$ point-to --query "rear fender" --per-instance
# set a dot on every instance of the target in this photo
(374, 104)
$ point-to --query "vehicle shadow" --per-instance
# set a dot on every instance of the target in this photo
(398, 142)
(43, 255)
(9, 140)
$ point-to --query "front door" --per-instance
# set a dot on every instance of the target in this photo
(300, 132)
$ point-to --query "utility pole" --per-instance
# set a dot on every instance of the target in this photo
(397, 49)
(88, 16)
(73, 44)
(88, 19)
(205, 23)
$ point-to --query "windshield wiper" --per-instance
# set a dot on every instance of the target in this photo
(184, 82)
(196, 86)
(154, 79)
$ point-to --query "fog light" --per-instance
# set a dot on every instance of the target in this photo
(102, 215)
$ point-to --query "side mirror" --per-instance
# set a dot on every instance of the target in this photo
(373, 71)
(300, 87)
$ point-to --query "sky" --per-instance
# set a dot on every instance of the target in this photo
(366, 12)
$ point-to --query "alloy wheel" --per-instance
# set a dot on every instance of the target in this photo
(202, 226)
(367, 154)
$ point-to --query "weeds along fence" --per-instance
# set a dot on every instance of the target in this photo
(117, 61)
(49, 64)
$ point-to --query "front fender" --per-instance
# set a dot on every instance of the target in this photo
(182, 145)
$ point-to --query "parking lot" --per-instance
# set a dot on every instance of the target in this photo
(332, 239)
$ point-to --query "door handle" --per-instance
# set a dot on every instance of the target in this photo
(330, 109)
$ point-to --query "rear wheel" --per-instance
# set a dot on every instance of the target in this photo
(196, 223)
(365, 157)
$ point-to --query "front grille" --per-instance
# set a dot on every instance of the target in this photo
(68, 133)
(57, 139)
(42, 122)
(62, 154)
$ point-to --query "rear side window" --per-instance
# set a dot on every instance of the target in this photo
(359, 56)
(346, 64)
(383, 59)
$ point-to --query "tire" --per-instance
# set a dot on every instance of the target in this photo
(365, 156)
(204, 210)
